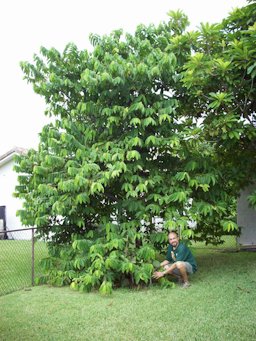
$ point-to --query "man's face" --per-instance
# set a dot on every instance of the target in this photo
(173, 239)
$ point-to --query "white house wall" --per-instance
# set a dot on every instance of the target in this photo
(8, 181)
(246, 219)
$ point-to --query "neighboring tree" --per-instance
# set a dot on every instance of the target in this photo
(143, 141)
(220, 87)
(220, 82)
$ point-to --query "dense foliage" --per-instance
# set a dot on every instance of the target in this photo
(152, 131)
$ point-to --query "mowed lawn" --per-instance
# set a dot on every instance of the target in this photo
(219, 305)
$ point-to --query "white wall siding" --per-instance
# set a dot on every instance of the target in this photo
(246, 218)
(8, 181)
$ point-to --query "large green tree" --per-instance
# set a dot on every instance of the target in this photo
(143, 139)
(221, 87)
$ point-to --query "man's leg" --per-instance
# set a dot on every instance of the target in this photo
(175, 273)
(180, 269)
(183, 271)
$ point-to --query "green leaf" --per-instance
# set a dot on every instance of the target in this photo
(133, 154)
(191, 165)
(142, 188)
(146, 253)
(204, 208)
(127, 267)
(150, 140)
(106, 288)
(170, 224)
(178, 196)
(96, 187)
(182, 176)
(229, 225)
(136, 141)
(127, 187)
(164, 117)
(135, 122)
(149, 121)
(251, 68)
(153, 208)
(133, 194)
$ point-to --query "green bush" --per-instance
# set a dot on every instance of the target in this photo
(101, 262)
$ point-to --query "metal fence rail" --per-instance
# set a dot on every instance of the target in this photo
(20, 255)
(21, 252)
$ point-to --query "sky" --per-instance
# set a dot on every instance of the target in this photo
(26, 25)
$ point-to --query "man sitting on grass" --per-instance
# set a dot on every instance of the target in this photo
(179, 261)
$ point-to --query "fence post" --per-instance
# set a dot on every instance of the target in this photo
(33, 259)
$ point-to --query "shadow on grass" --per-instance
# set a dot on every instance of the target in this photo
(218, 266)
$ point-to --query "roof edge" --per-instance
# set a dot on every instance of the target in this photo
(10, 154)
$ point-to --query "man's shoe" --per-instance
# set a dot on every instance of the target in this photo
(185, 285)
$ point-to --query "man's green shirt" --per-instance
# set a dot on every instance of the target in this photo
(181, 253)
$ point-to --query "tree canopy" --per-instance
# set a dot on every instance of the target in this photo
(153, 131)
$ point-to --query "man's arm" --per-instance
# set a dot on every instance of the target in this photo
(165, 262)
(159, 274)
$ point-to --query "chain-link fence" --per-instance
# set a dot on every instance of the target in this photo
(229, 243)
(21, 252)
(20, 255)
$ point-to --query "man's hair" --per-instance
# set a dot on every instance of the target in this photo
(175, 232)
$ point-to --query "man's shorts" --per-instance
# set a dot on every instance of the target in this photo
(188, 266)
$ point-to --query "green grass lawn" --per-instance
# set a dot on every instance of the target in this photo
(219, 305)
(16, 263)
